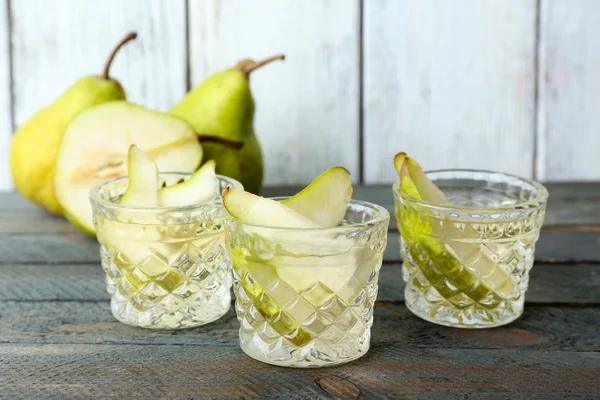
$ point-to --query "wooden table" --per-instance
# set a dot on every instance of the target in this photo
(59, 340)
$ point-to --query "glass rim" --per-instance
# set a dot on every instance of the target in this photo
(382, 215)
(95, 197)
(540, 198)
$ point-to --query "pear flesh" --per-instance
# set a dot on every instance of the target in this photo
(93, 150)
(201, 187)
(143, 180)
(325, 200)
(36, 143)
(255, 210)
(445, 244)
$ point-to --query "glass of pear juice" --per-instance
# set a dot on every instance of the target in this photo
(166, 267)
(305, 297)
(467, 262)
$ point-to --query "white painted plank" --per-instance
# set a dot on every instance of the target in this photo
(56, 42)
(451, 82)
(307, 106)
(5, 107)
(569, 112)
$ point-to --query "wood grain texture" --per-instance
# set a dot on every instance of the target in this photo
(54, 44)
(5, 97)
(549, 283)
(306, 107)
(540, 328)
(387, 371)
(569, 90)
(18, 216)
(69, 248)
(450, 82)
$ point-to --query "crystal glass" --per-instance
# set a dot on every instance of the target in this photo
(305, 297)
(466, 263)
(166, 267)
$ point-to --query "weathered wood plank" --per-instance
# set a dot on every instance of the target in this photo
(54, 45)
(569, 90)
(307, 108)
(6, 127)
(68, 248)
(569, 204)
(49, 248)
(82, 282)
(561, 194)
(449, 82)
(542, 328)
(549, 283)
(34, 221)
(387, 371)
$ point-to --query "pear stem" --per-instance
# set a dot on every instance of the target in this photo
(225, 142)
(129, 37)
(252, 65)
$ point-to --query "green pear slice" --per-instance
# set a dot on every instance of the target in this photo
(476, 274)
(94, 150)
(201, 187)
(325, 200)
(255, 210)
(143, 180)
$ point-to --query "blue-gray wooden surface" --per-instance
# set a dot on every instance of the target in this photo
(59, 340)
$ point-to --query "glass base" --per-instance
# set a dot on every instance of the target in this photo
(313, 355)
(472, 317)
(192, 314)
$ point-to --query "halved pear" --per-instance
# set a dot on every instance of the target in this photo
(325, 200)
(142, 189)
(201, 187)
(445, 244)
(94, 149)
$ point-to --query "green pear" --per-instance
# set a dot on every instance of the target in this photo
(325, 200)
(36, 143)
(94, 150)
(222, 106)
(201, 187)
(445, 244)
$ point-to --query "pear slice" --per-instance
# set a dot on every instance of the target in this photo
(255, 210)
(456, 257)
(325, 200)
(143, 180)
(201, 187)
(94, 149)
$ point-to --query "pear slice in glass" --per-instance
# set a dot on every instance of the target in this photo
(201, 187)
(325, 200)
(454, 253)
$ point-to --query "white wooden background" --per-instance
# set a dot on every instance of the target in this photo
(510, 85)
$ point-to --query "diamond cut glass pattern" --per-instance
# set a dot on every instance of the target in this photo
(467, 264)
(304, 298)
(166, 268)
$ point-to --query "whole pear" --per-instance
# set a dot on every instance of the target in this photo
(222, 106)
(36, 143)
